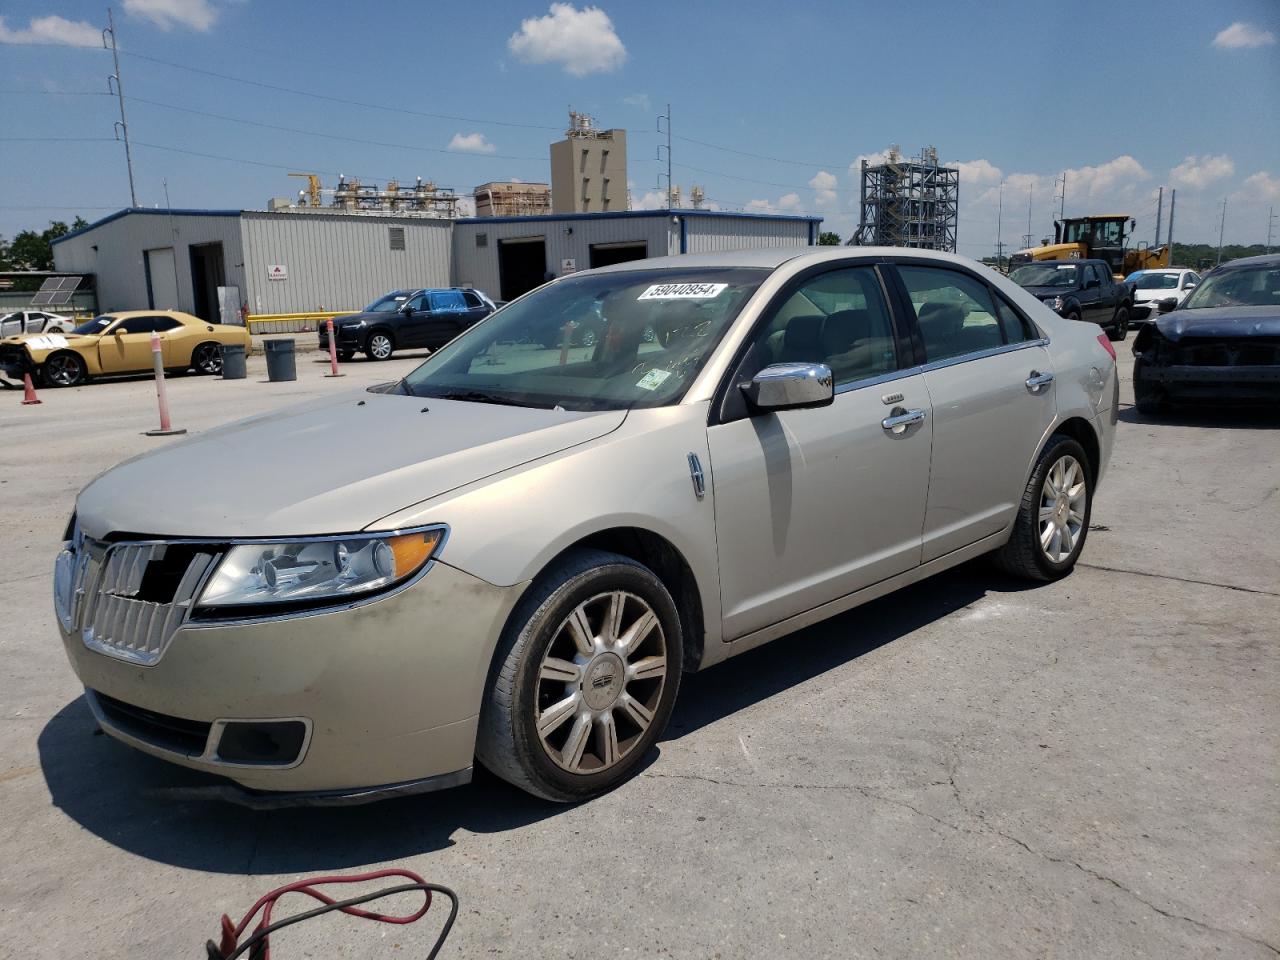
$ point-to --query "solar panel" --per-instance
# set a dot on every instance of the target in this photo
(56, 290)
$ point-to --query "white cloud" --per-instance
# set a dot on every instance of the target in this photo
(872, 159)
(1261, 186)
(581, 41)
(1241, 35)
(166, 14)
(471, 143)
(824, 186)
(1197, 172)
(1105, 178)
(787, 203)
(653, 200)
(640, 100)
(978, 172)
(53, 29)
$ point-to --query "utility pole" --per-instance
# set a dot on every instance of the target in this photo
(1173, 199)
(667, 131)
(1271, 219)
(121, 125)
(1222, 225)
(1062, 212)
(1026, 240)
(999, 226)
(1159, 211)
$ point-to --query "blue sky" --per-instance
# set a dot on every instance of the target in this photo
(1125, 97)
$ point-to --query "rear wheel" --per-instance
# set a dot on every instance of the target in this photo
(65, 370)
(1053, 517)
(207, 359)
(379, 346)
(585, 679)
(1119, 323)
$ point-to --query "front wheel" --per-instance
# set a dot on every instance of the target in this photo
(379, 346)
(65, 370)
(1053, 517)
(345, 356)
(1119, 324)
(584, 680)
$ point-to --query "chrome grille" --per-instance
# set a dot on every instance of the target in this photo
(123, 596)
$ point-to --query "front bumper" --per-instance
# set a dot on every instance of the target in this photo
(1260, 383)
(347, 338)
(389, 692)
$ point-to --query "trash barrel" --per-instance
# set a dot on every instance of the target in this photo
(233, 361)
(281, 363)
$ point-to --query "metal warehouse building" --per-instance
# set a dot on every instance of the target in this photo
(208, 262)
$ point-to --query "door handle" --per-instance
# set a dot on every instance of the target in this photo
(898, 421)
(1038, 380)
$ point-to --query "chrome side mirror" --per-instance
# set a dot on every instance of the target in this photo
(789, 386)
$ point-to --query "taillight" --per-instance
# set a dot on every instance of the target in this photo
(1106, 342)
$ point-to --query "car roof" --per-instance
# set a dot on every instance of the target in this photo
(1262, 260)
(126, 314)
(771, 258)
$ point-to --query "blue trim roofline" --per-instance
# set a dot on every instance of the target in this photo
(151, 210)
(636, 215)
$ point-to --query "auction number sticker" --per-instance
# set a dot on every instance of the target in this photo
(683, 291)
(653, 379)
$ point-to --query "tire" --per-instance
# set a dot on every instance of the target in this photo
(379, 345)
(206, 359)
(1119, 324)
(346, 356)
(1074, 315)
(542, 663)
(64, 369)
(1026, 555)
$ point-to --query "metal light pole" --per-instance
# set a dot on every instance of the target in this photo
(1221, 227)
(1159, 211)
(1271, 219)
(122, 125)
(1173, 199)
(999, 226)
(173, 241)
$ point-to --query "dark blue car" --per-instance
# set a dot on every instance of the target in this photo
(423, 319)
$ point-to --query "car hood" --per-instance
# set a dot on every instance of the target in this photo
(363, 315)
(333, 467)
(1048, 293)
(73, 339)
(1220, 322)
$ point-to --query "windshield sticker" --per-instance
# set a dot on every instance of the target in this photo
(683, 291)
(654, 378)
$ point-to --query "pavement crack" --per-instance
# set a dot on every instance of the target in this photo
(1088, 871)
(1165, 576)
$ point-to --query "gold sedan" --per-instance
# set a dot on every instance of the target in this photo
(116, 343)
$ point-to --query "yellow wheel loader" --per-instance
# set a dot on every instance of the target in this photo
(1100, 237)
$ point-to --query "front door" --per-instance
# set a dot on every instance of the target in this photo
(985, 370)
(126, 347)
(814, 504)
(415, 314)
(1091, 296)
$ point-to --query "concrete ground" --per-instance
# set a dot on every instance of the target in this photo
(970, 768)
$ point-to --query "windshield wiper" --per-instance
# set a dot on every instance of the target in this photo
(477, 396)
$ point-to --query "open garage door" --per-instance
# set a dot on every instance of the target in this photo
(522, 265)
(604, 254)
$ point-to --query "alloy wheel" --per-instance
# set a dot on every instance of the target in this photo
(1062, 505)
(207, 359)
(63, 370)
(600, 682)
(380, 346)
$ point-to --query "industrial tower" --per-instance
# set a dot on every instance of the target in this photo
(909, 203)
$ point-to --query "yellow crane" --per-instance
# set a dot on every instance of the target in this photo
(313, 187)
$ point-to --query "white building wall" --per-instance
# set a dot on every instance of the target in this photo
(339, 261)
(711, 234)
(115, 253)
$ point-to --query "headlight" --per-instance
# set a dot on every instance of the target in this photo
(1056, 303)
(318, 570)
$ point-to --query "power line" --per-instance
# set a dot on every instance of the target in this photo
(330, 136)
(320, 96)
(56, 93)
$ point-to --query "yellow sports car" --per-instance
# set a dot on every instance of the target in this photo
(120, 343)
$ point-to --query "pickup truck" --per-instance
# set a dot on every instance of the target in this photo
(1080, 290)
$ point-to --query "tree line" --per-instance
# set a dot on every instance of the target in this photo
(32, 250)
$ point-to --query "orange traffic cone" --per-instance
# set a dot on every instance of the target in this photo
(29, 391)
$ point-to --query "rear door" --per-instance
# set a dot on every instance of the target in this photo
(449, 316)
(990, 384)
(814, 504)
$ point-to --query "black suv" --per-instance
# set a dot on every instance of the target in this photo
(407, 320)
(1080, 290)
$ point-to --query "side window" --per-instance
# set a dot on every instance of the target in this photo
(954, 312)
(165, 323)
(473, 300)
(137, 325)
(1189, 279)
(840, 319)
(447, 301)
(417, 302)
(1093, 273)
(1016, 328)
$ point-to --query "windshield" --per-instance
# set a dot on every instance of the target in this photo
(605, 341)
(1243, 287)
(387, 304)
(1154, 281)
(96, 325)
(1045, 275)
